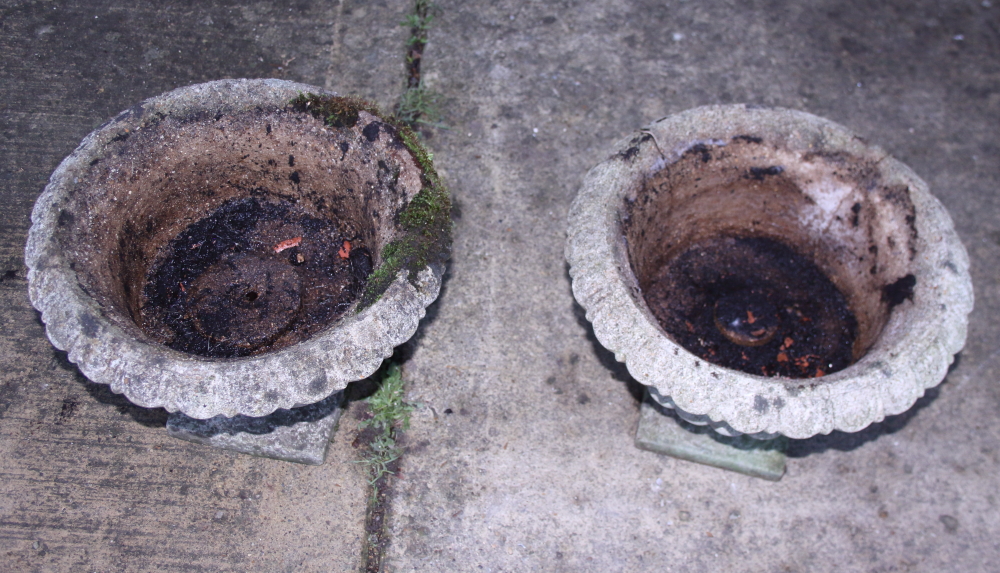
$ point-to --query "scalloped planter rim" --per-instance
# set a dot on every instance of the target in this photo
(864, 218)
(119, 197)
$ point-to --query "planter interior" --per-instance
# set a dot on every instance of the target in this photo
(225, 235)
(816, 249)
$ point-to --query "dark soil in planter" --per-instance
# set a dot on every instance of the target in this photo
(755, 305)
(252, 276)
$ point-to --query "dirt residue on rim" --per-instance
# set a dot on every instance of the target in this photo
(755, 305)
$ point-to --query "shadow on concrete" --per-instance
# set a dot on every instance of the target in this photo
(259, 425)
(149, 417)
(845, 442)
(617, 369)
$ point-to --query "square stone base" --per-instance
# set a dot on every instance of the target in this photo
(662, 431)
(296, 435)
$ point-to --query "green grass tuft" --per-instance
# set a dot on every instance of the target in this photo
(418, 105)
(390, 415)
(389, 410)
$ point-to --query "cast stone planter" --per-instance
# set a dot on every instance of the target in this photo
(715, 182)
(278, 193)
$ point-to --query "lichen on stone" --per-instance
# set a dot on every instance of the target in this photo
(425, 222)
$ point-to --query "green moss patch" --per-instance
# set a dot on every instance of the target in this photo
(334, 111)
(425, 222)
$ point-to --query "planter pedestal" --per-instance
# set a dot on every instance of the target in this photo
(663, 432)
(296, 435)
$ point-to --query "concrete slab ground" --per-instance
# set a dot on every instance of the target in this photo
(521, 458)
(520, 455)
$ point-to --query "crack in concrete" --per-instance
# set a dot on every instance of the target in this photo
(385, 419)
(411, 109)
(419, 23)
(376, 530)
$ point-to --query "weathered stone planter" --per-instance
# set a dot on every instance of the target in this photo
(722, 185)
(221, 250)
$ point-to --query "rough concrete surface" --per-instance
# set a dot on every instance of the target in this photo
(534, 469)
(520, 456)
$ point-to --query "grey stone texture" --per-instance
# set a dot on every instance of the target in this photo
(520, 455)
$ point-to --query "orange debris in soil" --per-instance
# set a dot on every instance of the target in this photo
(287, 244)
(345, 251)
(803, 362)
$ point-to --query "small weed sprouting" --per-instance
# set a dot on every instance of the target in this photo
(389, 410)
(419, 26)
(418, 105)
(419, 22)
(390, 415)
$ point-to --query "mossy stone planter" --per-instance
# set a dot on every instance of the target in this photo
(722, 181)
(319, 182)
